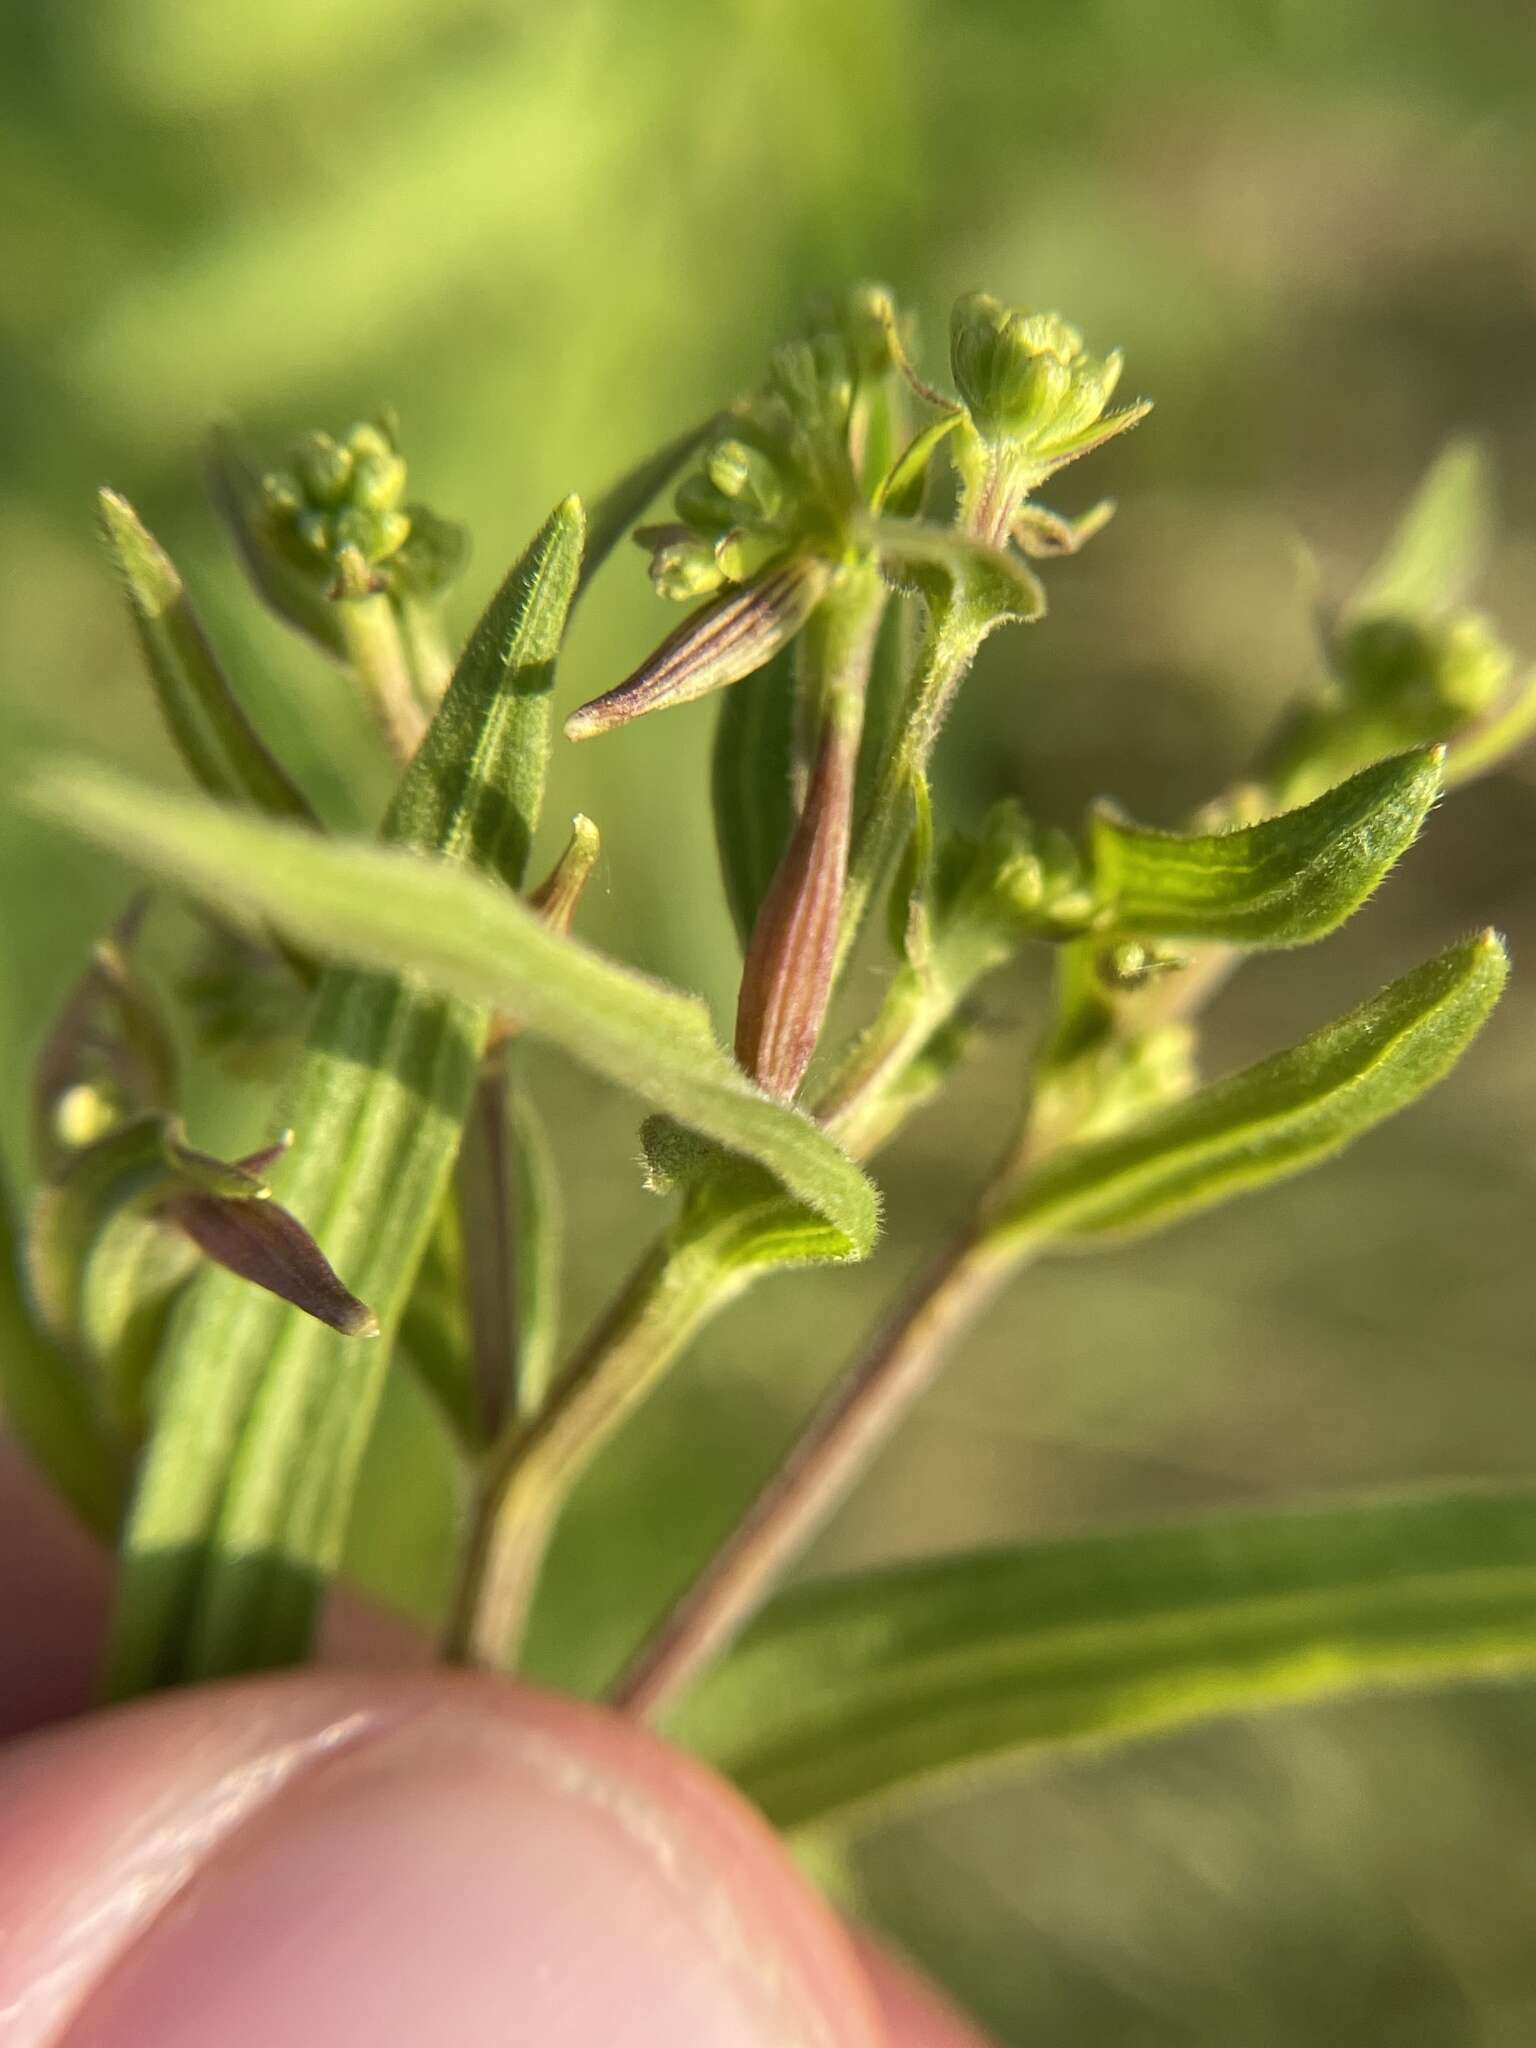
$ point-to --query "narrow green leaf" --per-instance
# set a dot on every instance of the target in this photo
(463, 936)
(1272, 1119)
(51, 1411)
(242, 1508)
(217, 741)
(1283, 882)
(856, 1694)
(1437, 553)
(616, 511)
(750, 784)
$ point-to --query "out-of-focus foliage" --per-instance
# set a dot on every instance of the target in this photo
(551, 236)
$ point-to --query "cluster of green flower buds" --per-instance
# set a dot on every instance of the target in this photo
(339, 513)
(1013, 876)
(1034, 400)
(777, 479)
(1026, 378)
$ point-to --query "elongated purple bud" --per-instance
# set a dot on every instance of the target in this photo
(787, 976)
(731, 637)
(264, 1243)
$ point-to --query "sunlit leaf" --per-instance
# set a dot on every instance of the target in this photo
(1269, 1121)
(264, 1415)
(853, 1695)
(1282, 882)
(463, 936)
(221, 748)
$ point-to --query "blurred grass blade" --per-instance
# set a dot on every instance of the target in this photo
(1269, 1121)
(750, 784)
(48, 1407)
(857, 1694)
(218, 743)
(285, 590)
(1441, 544)
(264, 1414)
(1282, 882)
(463, 936)
(611, 516)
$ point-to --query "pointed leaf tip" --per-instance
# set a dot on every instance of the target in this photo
(1282, 882)
(1271, 1120)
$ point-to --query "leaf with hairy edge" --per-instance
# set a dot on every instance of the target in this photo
(264, 1415)
(1283, 882)
(1269, 1121)
(856, 1694)
(221, 748)
(1437, 553)
(750, 784)
(460, 934)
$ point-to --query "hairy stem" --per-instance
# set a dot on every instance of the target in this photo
(377, 654)
(676, 1288)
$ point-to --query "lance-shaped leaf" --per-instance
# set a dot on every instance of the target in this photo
(1437, 553)
(750, 784)
(1282, 882)
(264, 1415)
(462, 935)
(857, 1694)
(1269, 1121)
(215, 738)
(729, 638)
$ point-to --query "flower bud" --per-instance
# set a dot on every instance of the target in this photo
(786, 979)
(726, 640)
(556, 898)
(1029, 384)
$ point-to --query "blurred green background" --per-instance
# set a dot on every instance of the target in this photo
(552, 235)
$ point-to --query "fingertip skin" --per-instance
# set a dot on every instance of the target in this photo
(355, 1858)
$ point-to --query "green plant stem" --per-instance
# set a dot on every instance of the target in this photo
(676, 1288)
(377, 655)
(685, 1280)
(949, 646)
(427, 653)
(834, 1449)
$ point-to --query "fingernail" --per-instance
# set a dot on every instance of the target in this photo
(471, 1876)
